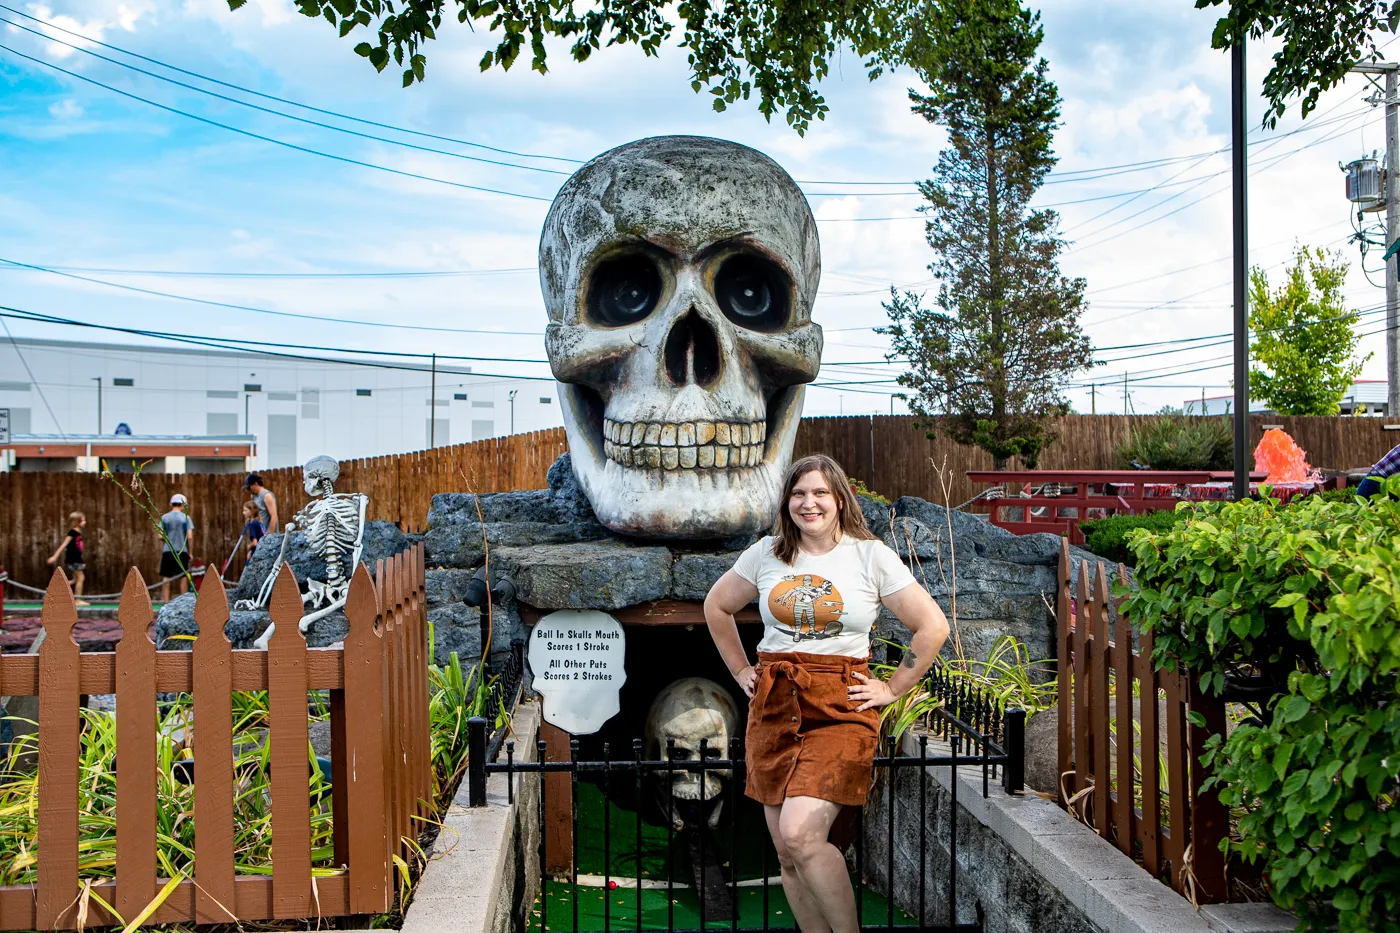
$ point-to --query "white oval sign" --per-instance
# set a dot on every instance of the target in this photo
(577, 658)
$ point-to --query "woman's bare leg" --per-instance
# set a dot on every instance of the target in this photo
(819, 868)
(804, 906)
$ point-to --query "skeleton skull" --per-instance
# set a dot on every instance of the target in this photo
(319, 475)
(679, 274)
(687, 711)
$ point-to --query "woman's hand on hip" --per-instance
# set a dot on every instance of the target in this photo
(746, 679)
(871, 692)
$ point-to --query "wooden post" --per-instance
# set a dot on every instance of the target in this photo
(1100, 704)
(136, 742)
(1210, 821)
(1123, 714)
(1178, 804)
(214, 900)
(1084, 618)
(558, 822)
(287, 739)
(1064, 649)
(1149, 827)
(370, 881)
(59, 662)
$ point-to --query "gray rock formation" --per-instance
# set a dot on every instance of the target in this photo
(382, 540)
(244, 625)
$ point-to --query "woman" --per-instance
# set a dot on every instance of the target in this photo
(813, 727)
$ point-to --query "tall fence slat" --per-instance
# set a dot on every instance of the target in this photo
(1123, 717)
(1064, 645)
(1100, 706)
(58, 758)
(1083, 620)
(370, 879)
(136, 744)
(288, 742)
(1209, 818)
(1151, 824)
(1177, 811)
(213, 755)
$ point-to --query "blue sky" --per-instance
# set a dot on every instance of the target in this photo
(90, 179)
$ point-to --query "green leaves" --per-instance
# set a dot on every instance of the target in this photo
(1304, 597)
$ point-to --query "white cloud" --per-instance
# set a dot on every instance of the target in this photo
(66, 109)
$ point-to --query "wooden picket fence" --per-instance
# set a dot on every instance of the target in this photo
(379, 752)
(1111, 754)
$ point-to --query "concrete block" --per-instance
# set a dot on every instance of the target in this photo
(1020, 820)
(1249, 918)
(1071, 862)
(1141, 905)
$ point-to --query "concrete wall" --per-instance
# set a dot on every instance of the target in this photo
(1028, 865)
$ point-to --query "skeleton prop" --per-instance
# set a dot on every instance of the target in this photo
(679, 274)
(687, 711)
(334, 523)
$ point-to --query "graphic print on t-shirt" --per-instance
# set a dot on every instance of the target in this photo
(808, 605)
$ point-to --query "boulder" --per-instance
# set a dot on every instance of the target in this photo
(587, 575)
(455, 628)
(693, 574)
(381, 540)
(242, 629)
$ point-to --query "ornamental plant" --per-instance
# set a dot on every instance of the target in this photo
(1304, 598)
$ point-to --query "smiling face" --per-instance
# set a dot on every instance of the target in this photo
(814, 508)
(679, 274)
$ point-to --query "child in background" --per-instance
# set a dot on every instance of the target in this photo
(253, 530)
(175, 551)
(72, 551)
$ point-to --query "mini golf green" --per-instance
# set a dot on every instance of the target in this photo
(600, 909)
(605, 826)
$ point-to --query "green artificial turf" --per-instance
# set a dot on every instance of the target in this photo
(600, 909)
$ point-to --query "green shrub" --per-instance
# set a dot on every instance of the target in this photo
(1305, 595)
(1108, 537)
(1180, 444)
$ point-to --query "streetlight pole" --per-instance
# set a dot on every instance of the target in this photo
(510, 396)
(1239, 170)
(98, 380)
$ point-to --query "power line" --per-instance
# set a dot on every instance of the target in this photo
(42, 397)
(270, 139)
(237, 307)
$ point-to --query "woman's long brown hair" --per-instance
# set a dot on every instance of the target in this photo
(785, 530)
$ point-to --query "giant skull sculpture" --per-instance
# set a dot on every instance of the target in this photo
(679, 274)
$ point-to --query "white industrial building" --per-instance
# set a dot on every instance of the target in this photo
(292, 408)
(1367, 397)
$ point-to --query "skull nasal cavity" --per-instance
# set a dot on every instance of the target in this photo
(692, 352)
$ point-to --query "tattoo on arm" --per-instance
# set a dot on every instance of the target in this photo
(910, 658)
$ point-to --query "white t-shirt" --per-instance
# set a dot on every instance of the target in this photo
(823, 604)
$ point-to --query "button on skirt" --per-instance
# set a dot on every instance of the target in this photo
(804, 737)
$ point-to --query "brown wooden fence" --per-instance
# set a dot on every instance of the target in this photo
(888, 453)
(379, 722)
(1129, 761)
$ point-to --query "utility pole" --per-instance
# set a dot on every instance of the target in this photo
(1239, 171)
(1125, 393)
(98, 380)
(1093, 399)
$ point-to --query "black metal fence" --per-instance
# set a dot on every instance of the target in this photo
(698, 834)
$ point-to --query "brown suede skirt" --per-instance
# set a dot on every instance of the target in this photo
(804, 737)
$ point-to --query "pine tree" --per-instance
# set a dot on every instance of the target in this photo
(994, 357)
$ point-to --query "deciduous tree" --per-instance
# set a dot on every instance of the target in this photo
(1305, 339)
(1322, 40)
(777, 50)
(994, 356)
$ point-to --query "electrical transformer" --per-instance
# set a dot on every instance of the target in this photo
(1366, 184)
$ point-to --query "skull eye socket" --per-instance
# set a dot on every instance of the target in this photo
(623, 290)
(752, 293)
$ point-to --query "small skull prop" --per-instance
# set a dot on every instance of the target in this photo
(319, 475)
(679, 274)
(685, 712)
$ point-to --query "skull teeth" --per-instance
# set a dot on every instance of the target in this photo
(684, 446)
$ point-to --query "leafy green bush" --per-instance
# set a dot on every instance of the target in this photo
(1108, 537)
(1180, 444)
(1305, 595)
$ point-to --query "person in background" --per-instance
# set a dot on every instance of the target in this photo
(71, 550)
(1385, 467)
(265, 501)
(253, 526)
(175, 551)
